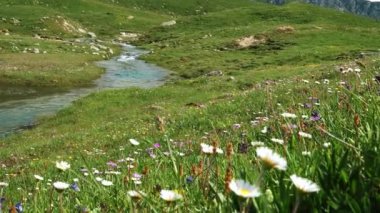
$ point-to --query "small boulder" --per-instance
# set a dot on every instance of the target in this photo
(215, 73)
(36, 50)
(169, 23)
(285, 29)
(250, 41)
(91, 34)
(15, 21)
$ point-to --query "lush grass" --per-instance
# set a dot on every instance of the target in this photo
(200, 44)
(175, 7)
(79, 136)
(96, 130)
(46, 19)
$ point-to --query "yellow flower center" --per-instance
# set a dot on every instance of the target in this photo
(244, 192)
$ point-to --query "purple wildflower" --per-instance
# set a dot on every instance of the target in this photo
(137, 175)
(236, 126)
(112, 164)
(307, 105)
(315, 116)
(156, 145)
(150, 152)
(243, 147)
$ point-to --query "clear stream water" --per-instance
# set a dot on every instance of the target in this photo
(123, 71)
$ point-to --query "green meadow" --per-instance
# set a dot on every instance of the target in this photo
(307, 91)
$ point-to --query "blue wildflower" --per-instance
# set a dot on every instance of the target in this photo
(2, 200)
(19, 207)
(75, 187)
(189, 179)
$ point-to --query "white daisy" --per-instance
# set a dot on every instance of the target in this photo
(169, 195)
(271, 158)
(264, 130)
(38, 177)
(135, 194)
(62, 165)
(210, 149)
(106, 183)
(304, 185)
(134, 142)
(3, 184)
(280, 141)
(304, 134)
(257, 143)
(60, 186)
(288, 115)
(326, 145)
(244, 189)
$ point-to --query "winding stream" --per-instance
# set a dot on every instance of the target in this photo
(123, 71)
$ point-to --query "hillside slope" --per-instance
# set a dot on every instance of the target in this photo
(360, 7)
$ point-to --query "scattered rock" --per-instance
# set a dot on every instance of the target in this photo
(215, 73)
(250, 41)
(36, 36)
(94, 48)
(126, 36)
(15, 21)
(36, 50)
(4, 31)
(129, 35)
(169, 23)
(91, 34)
(196, 105)
(209, 35)
(285, 29)
(82, 30)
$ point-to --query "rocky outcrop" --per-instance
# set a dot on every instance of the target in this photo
(361, 7)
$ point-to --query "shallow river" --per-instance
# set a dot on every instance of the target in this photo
(123, 71)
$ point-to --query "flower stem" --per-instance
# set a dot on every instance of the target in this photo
(295, 209)
(60, 197)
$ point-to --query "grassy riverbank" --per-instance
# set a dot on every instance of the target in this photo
(49, 44)
(293, 71)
